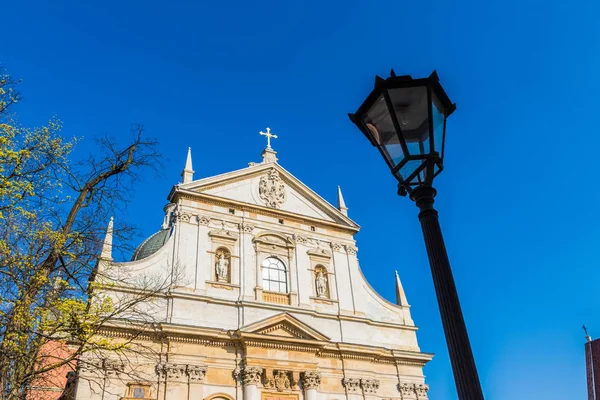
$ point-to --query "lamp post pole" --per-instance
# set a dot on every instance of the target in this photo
(457, 339)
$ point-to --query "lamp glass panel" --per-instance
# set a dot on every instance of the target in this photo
(412, 112)
(408, 168)
(438, 117)
(379, 122)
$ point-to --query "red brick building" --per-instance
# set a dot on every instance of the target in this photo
(50, 385)
(592, 362)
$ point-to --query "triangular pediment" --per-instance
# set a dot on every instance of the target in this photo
(268, 186)
(285, 326)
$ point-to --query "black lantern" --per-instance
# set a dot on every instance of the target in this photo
(406, 119)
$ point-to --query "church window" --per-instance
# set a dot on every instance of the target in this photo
(274, 275)
(312, 228)
(281, 221)
(231, 211)
(138, 391)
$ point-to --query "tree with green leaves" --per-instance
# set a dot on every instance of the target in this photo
(53, 217)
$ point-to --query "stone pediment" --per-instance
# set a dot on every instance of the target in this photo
(284, 326)
(267, 186)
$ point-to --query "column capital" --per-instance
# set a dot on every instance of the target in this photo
(352, 385)
(196, 373)
(311, 380)
(251, 375)
(369, 386)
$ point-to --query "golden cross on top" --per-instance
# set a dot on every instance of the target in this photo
(269, 135)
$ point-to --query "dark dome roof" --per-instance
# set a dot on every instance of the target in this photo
(151, 245)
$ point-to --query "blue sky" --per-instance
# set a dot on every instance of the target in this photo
(519, 195)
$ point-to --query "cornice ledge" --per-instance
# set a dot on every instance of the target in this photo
(260, 209)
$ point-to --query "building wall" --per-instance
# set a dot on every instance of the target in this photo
(233, 339)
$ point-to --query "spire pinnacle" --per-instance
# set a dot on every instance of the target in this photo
(341, 203)
(188, 173)
(400, 295)
(106, 253)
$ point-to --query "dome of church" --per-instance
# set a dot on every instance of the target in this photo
(151, 245)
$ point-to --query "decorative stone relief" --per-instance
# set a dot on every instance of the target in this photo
(175, 371)
(246, 227)
(336, 246)
(278, 380)
(352, 385)
(369, 386)
(271, 189)
(113, 367)
(196, 373)
(421, 389)
(161, 371)
(184, 217)
(202, 220)
(251, 375)
(311, 380)
(300, 239)
(282, 381)
(351, 249)
(407, 390)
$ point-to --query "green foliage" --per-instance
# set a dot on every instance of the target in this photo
(52, 218)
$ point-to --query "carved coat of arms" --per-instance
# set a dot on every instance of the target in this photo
(271, 189)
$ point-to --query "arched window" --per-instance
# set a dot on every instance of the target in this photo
(274, 275)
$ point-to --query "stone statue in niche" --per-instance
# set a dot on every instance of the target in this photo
(222, 266)
(321, 284)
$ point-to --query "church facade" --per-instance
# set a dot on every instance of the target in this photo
(269, 302)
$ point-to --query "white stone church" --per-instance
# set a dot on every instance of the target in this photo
(270, 301)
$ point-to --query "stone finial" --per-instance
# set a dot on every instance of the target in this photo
(341, 203)
(400, 295)
(311, 380)
(106, 253)
(188, 173)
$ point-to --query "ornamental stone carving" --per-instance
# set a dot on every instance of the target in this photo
(271, 189)
(246, 228)
(351, 249)
(202, 220)
(421, 389)
(196, 373)
(183, 217)
(175, 371)
(311, 380)
(251, 375)
(407, 390)
(282, 381)
(352, 385)
(369, 386)
(113, 367)
(301, 239)
(336, 246)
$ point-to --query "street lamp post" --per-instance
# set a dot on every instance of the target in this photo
(405, 119)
